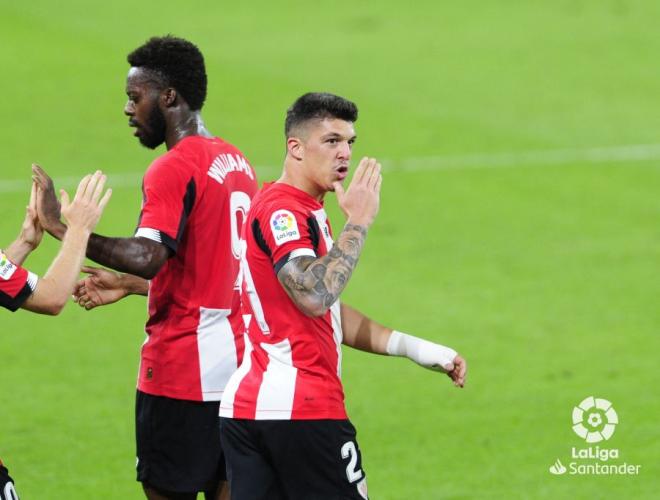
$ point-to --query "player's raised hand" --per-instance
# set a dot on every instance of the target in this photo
(87, 206)
(48, 208)
(100, 288)
(361, 201)
(31, 230)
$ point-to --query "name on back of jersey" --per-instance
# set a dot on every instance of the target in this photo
(284, 227)
(226, 163)
(7, 268)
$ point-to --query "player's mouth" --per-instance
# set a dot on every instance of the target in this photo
(342, 172)
(134, 125)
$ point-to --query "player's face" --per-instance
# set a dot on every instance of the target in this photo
(143, 110)
(327, 149)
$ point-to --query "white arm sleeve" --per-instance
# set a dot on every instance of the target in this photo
(424, 353)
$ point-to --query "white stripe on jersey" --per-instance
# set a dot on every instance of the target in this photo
(151, 234)
(227, 401)
(322, 219)
(275, 399)
(337, 332)
(217, 351)
(32, 280)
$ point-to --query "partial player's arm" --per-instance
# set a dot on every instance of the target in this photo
(314, 284)
(362, 333)
(136, 255)
(82, 214)
(103, 287)
(30, 235)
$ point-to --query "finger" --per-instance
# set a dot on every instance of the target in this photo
(90, 270)
(99, 188)
(79, 289)
(359, 171)
(33, 197)
(339, 189)
(41, 175)
(90, 305)
(91, 185)
(375, 175)
(64, 199)
(379, 181)
(106, 198)
(82, 186)
(372, 172)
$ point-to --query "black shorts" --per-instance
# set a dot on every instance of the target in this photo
(292, 459)
(178, 444)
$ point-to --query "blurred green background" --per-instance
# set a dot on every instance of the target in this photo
(519, 224)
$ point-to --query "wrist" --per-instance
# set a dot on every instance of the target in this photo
(362, 223)
(57, 229)
(72, 232)
(424, 353)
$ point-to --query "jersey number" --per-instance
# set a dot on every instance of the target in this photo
(239, 204)
(349, 450)
(10, 492)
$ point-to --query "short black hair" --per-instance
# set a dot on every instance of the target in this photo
(178, 63)
(319, 105)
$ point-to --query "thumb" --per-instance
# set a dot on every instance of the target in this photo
(448, 367)
(339, 189)
(64, 197)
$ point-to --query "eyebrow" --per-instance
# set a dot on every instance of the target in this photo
(335, 134)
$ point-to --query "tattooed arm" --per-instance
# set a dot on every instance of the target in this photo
(314, 284)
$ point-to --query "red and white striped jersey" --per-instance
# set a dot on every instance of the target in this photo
(196, 197)
(292, 364)
(16, 283)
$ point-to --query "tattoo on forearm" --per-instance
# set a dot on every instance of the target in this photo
(317, 283)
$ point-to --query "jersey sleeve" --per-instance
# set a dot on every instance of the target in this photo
(286, 232)
(169, 193)
(16, 284)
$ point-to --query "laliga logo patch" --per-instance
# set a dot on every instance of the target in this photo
(7, 269)
(284, 227)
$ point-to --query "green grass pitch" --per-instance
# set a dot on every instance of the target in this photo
(515, 226)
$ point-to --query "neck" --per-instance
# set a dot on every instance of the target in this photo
(184, 123)
(293, 175)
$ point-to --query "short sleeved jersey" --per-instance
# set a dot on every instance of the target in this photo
(292, 364)
(195, 198)
(7, 489)
(16, 283)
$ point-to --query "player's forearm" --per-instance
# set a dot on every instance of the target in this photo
(137, 256)
(54, 288)
(315, 284)
(18, 251)
(361, 332)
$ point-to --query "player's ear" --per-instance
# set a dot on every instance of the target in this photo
(168, 97)
(295, 148)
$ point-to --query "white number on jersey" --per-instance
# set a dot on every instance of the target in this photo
(9, 492)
